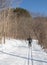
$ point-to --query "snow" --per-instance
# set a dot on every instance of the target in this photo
(15, 52)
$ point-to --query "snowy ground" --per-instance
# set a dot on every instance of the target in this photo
(17, 52)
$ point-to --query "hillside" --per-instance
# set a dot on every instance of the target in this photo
(19, 24)
(16, 23)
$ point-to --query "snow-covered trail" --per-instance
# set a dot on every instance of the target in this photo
(15, 52)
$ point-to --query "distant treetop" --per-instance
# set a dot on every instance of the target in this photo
(21, 11)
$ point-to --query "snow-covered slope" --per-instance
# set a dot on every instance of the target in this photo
(17, 52)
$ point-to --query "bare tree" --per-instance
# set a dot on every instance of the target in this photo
(5, 4)
(8, 3)
(39, 31)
